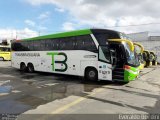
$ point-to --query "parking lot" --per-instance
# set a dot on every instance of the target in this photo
(45, 93)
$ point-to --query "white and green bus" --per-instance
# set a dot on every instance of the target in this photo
(96, 54)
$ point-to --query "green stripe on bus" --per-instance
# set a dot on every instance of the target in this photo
(64, 34)
(131, 74)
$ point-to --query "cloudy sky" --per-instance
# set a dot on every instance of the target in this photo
(28, 18)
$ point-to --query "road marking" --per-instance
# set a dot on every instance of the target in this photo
(29, 80)
(4, 82)
(67, 106)
(16, 91)
(2, 94)
(51, 84)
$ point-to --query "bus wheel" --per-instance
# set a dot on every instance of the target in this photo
(155, 63)
(23, 67)
(91, 74)
(147, 64)
(30, 68)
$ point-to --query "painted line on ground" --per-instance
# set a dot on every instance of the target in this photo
(67, 106)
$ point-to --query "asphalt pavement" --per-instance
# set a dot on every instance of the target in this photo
(44, 95)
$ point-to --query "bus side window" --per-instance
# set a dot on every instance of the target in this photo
(62, 43)
(102, 38)
(42, 45)
(30, 45)
(89, 44)
(79, 43)
(85, 42)
(49, 44)
(21, 46)
(56, 43)
(69, 43)
(37, 45)
(24, 46)
(17, 46)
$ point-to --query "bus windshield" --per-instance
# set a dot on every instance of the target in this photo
(131, 56)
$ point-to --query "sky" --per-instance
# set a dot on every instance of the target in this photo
(29, 18)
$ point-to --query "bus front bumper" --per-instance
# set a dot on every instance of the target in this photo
(131, 74)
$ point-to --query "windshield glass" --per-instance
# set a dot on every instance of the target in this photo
(132, 57)
(140, 55)
(5, 49)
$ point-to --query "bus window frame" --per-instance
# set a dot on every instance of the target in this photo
(100, 46)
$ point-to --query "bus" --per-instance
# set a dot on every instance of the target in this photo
(148, 58)
(154, 58)
(5, 52)
(139, 49)
(127, 64)
(95, 54)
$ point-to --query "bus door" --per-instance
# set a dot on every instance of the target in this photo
(104, 63)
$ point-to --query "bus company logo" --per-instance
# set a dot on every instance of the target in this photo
(53, 54)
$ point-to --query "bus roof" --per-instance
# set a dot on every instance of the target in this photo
(63, 34)
(71, 33)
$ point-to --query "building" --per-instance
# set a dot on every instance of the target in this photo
(142, 36)
(150, 41)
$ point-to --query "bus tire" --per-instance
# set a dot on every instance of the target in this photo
(91, 74)
(147, 64)
(30, 68)
(154, 63)
(23, 67)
